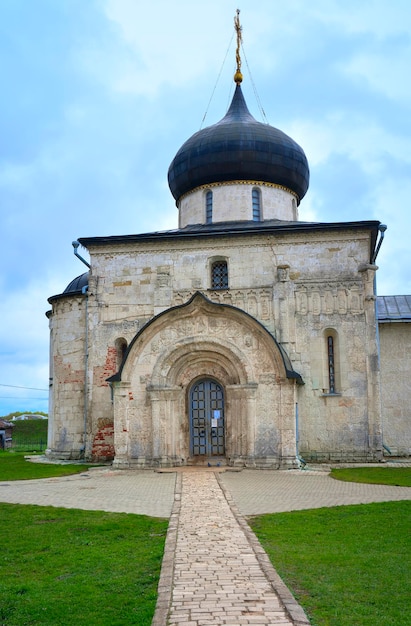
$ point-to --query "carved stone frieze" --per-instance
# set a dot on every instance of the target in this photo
(125, 327)
(329, 297)
(256, 302)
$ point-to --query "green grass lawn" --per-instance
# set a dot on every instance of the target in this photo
(346, 565)
(13, 466)
(66, 567)
(400, 476)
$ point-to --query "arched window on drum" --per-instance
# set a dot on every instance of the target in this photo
(256, 197)
(209, 207)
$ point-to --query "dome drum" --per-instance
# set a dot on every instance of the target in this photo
(276, 203)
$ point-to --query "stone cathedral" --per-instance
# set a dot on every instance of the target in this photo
(245, 337)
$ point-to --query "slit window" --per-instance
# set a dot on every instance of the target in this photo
(219, 275)
(256, 197)
(331, 364)
(209, 207)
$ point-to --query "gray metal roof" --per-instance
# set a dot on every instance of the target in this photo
(74, 288)
(394, 308)
(236, 228)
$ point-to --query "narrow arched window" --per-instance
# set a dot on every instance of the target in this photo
(295, 211)
(256, 196)
(219, 275)
(331, 364)
(209, 207)
(121, 348)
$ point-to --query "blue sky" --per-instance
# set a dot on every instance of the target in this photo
(98, 95)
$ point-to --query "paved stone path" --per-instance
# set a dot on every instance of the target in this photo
(261, 491)
(99, 489)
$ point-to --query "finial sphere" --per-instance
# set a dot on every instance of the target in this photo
(238, 77)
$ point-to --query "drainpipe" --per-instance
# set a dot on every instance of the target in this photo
(75, 245)
(382, 228)
(85, 293)
(300, 461)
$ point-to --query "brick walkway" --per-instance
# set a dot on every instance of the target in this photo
(220, 574)
(214, 569)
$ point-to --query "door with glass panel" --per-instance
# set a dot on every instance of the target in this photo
(207, 419)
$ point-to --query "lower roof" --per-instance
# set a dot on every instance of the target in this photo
(393, 309)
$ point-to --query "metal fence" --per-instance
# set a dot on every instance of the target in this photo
(27, 444)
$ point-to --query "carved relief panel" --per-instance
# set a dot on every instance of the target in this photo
(328, 297)
(256, 302)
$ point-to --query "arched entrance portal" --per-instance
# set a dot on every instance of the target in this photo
(204, 380)
(207, 432)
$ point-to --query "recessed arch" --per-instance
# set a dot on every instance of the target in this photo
(197, 358)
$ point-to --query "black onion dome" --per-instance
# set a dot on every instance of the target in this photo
(77, 284)
(74, 288)
(239, 148)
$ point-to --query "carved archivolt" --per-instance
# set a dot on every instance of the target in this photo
(197, 358)
(198, 339)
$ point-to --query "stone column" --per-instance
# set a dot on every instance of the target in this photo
(121, 424)
(166, 422)
(373, 366)
(241, 423)
(288, 443)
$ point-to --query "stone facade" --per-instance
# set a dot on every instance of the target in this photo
(68, 383)
(395, 342)
(155, 326)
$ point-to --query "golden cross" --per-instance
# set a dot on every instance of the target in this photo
(238, 77)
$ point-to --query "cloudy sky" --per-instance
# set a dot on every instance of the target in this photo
(98, 95)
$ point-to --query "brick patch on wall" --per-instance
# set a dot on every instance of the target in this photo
(103, 443)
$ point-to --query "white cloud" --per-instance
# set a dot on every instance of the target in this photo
(368, 16)
(385, 73)
(153, 44)
(361, 138)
